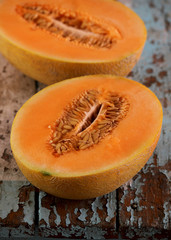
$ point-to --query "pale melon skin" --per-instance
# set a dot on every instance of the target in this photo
(49, 70)
(92, 185)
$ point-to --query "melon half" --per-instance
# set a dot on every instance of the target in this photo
(85, 137)
(55, 40)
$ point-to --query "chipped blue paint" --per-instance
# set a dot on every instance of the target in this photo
(110, 205)
(29, 205)
(10, 203)
(94, 233)
(67, 220)
(75, 211)
(44, 213)
(58, 217)
(76, 231)
(96, 205)
(167, 215)
(9, 198)
(83, 215)
(20, 231)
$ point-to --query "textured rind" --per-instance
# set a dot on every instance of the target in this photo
(89, 186)
(49, 71)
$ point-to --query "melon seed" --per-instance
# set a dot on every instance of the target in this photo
(87, 127)
(70, 25)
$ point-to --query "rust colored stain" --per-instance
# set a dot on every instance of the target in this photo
(134, 206)
(4, 69)
(158, 58)
(165, 102)
(156, 18)
(2, 137)
(6, 169)
(131, 74)
(24, 193)
(162, 74)
(6, 156)
(167, 165)
(149, 70)
(167, 22)
(151, 4)
(155, 158)
(152, 42)
(151, 80)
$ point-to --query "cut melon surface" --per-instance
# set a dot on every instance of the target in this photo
(89, 168)
(68, 38)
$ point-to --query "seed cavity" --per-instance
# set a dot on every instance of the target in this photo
(87, 120)
(70, 25)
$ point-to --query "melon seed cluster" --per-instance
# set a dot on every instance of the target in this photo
(69, 25)
(87, 120)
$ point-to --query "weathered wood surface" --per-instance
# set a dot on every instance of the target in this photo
(16, 209)
(15, 89)
(145, 207)
(88, 219)
(139, 209)
(16, 194)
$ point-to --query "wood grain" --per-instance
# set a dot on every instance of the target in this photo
(145, 207)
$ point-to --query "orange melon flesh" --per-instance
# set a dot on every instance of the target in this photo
(128, 146)
(21, 42)
(110, 12)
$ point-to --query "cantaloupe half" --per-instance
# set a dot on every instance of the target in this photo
(55, 40)
(86, 136)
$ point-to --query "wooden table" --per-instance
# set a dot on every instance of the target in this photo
(140, 209)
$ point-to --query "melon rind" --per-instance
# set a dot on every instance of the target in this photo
(88, 186)
(51, 70)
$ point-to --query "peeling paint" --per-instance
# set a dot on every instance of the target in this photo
(68, 222)
(96, 205)
(9, 197)
(128, 184)
(166, 173)
(83, 214)
(44, 213)
(111, 206)
(167, 215)
(139, 222)
(75, 211)
(28, 209)
(75, 231)
(19, 232)
(58, 218)
(131, 220)
(17, 211)
(94, 233)
(72, 219)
